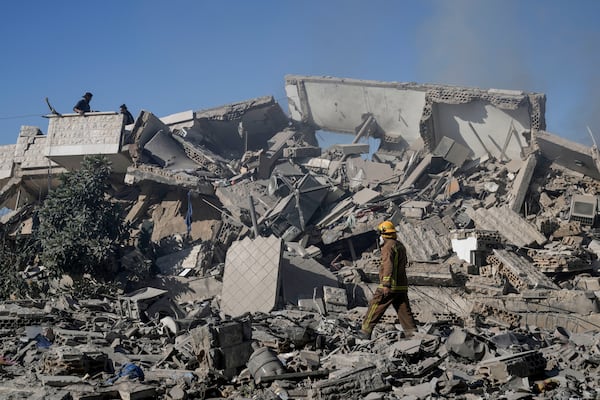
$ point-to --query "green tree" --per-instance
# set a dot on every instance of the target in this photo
(80, 229)
(15, 254)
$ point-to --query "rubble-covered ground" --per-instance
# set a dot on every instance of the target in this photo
(264, 256)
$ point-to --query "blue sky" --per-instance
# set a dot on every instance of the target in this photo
(172, 56)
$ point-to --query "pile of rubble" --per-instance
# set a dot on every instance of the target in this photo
(267, 253)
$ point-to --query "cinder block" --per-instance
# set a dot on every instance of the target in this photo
(335, 298)
(232, 356)
(228, 334)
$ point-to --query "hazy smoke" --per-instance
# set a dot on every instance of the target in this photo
(533, 46)
(464, 43)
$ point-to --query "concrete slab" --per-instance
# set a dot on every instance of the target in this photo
(416, 173)
(234, 198)
(452, 151)
(365, 196)
(568, 154)
(430, 274)
(188, 289)
(303, 278)
(368, 173)
(508, 223)
(178, 119)
(144, 129)
(422, 244)
(251, 276)
(165, 150)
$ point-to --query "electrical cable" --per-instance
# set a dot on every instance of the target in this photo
(21, 116)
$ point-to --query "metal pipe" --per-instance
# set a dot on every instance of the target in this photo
(253, 216)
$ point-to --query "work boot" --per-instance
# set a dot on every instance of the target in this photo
(363, 335)
(408, 334)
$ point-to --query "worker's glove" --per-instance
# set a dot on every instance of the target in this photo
(386, 290)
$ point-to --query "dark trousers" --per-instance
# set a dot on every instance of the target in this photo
(379, 303)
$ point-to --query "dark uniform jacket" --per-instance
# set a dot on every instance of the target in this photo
(82, 105)
(392, 272)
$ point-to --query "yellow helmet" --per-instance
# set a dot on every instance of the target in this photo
(387, 229)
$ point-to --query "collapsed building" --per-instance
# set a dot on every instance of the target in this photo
(267, 250)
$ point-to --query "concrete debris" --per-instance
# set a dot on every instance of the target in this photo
(255, 251)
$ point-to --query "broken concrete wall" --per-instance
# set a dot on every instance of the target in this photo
(7, 155)
(474, 119)
(231, 129)
(30, 150)
(490, 122)
(72, 136)
(169, 217)
(337, 105)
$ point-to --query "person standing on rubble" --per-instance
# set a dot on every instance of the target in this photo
(393, 284)
(83, 105)
(128, 117)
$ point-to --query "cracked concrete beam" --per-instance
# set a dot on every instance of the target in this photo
(148, 173)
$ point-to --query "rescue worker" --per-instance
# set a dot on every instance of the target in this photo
(392, 287)
(128, 118)
(83, 105)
